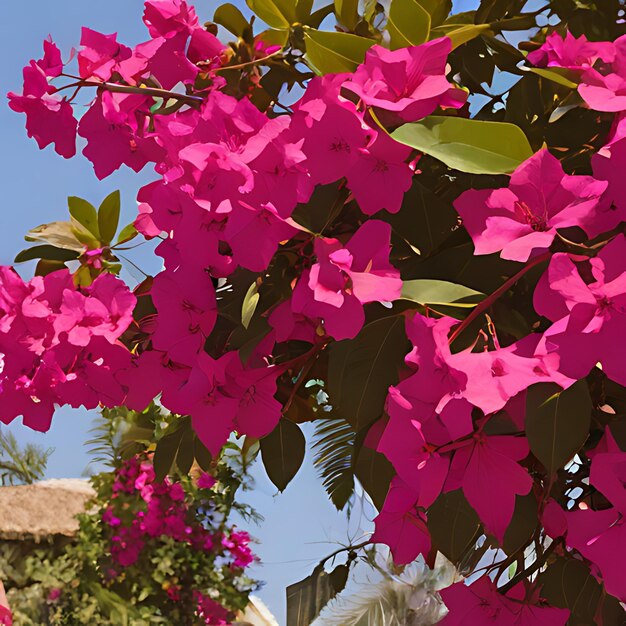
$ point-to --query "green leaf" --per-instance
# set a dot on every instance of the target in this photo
(425, 291)
(127, 233)
(250, 301)
(167, 448)
(557, 422)
(453, 524)
(471, 146)
(303, 10)
(373, 471)
(282, 452)
(109, 217)
(559, 75)
(459, 33)
(306, 598)
(59, 234)
(332, 53)
(522, 526)
(275, 13)
(408, 23)
(347, 12)
(231, 18)
(362, 369)
(437, 9)
(333, 446)
(85, 214)
(185, 453)
(317, 17)
(45, 251)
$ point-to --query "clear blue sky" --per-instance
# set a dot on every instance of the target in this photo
(300, 525)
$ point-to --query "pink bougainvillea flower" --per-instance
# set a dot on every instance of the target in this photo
(608, 163)
(51, 62)
(114, 127)
(49, 118)
(575, 53)
(522, 220)
(206, 481)
(481, 604)
(345, 278)
(599, 536)
(167, 61)
(400, 525)
(204, 47)
(187, 310)
(333, 137)
(487, 470)
(100, 55)
(590, 319)
(254, 233)
(409, 82)
(380, 177)
(167, 17)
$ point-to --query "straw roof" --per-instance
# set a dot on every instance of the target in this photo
(42, 510)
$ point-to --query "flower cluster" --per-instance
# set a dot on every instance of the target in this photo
(142, 513)
(60, 345)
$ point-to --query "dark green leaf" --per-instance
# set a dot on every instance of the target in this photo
(166, 451)
(438, 10)
(85, 214)
(408, 23)
(331, 53)
(50, 253)
(557, 422)
(201, 454)
(306, 598)
(231, 18)
(317, 17)
(185, 454)
(468, 145)
(362, 369)
(339, 577)
(282, 452)
(109, 217)
(523, 524)
(374, 472)
(567, 583)
(453, 525)
(303, 10)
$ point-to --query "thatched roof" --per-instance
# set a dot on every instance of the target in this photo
(42, 510)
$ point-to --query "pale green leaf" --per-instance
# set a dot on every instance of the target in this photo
(408, 23)
(333, 53)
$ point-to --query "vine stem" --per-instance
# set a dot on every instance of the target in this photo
(489, 300)
(143, 91)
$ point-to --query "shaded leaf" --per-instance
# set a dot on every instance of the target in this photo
(362, 369)
(167, 448)
(282, 452)
(375, 473)
(523, 524)
(468, 145)
(453, 524)
(557, 422)
(50, 253)
(185, 453)
(330, 53)
(408, 23)
(231, 18)
(437, 9)
(85, 214)
(109, 217)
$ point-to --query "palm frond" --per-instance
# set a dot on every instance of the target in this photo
(333, 444)
(21, 465)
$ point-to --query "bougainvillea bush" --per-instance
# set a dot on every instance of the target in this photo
(390, 221)
(148, 550)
